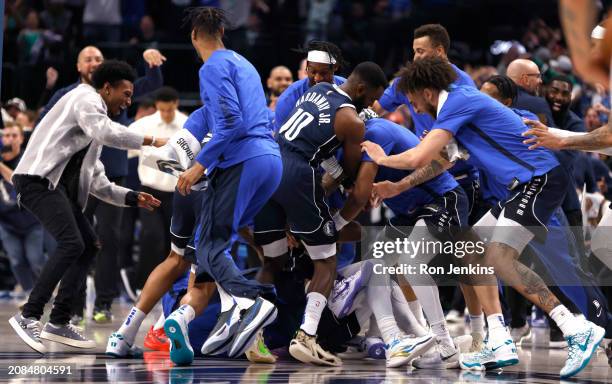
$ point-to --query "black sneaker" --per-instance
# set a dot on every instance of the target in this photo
(29, 331)
(609, 353)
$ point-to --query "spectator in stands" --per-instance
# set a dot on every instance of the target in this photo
(147, 35)
(301, 72)
(13, 107)
(21, 234)
(526, 74)
(154, 235)
(591, 119)
(280, 79)
(102, 21)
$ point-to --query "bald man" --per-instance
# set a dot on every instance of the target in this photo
(116, 166)
(527, 76)
(280, 79)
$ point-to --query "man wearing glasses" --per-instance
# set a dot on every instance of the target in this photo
(526, 74)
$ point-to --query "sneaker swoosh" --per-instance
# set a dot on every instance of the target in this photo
(224, 332)
(448, 357)
(508, 342)
(583, 347)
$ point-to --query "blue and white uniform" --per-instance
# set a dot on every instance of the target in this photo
(306, 138)
(243, 165)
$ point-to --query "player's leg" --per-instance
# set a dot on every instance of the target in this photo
(233, 198)
(514, 230)
(121, 342)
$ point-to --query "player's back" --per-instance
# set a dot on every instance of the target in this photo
(309, 130)
(492, 133)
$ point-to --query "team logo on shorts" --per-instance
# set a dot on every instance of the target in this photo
(329, 229)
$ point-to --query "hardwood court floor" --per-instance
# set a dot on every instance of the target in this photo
(537, 364)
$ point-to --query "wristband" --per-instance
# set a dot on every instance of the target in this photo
(339, 221)
(332, 167)
(131, 199)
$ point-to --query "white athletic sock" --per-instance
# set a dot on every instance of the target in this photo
(403, 315)
(477, 324)
(429, 297)
(379, 300)
(566, 321)
(388, 328)
(187, 312)
(315, 304)
(244, 302)
(417, 311)
(227, 302)
(130, 326)
(159, 324)
(497, 328)
(439, 329)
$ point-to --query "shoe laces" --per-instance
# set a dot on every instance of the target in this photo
(35, 327)
(76, 330)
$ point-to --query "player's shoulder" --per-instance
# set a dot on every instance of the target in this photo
(463, 79)
(339, 80)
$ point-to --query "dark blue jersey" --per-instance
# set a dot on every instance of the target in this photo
(286, 101)
(395, 139)
(309, 130)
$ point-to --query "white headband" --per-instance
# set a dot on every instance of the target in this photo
(320, 57)
(598, 32)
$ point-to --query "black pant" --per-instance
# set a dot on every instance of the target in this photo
(154, 235)
(76, 247)
(106, 272)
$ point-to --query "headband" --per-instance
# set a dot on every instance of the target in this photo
(320, 57)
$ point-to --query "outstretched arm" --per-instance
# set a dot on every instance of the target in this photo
(417, 157)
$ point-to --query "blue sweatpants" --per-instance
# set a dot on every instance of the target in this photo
(233, 198)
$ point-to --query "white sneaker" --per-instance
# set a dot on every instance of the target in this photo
(403, 349)
(492, 356)
(442, 356)
(453, 317)
(463, 342)
(118, 347)
(581, 347)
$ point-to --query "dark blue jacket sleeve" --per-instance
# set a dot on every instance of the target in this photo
(152, 80)
(54, 99)
(227, 114)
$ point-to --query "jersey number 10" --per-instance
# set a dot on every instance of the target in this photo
(291, 129)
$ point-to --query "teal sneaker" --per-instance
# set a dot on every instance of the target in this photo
(580, 348)
(175, 327)
(490, 357)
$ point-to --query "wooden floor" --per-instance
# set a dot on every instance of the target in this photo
(537, 365)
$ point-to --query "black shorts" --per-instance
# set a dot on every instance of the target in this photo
(445, 217)
(299, 202)
(185, 215)
(533, 203)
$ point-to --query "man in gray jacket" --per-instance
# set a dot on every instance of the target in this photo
(58, 171)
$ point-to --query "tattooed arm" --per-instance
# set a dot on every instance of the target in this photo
(578, 19)
(387, 189)
(542, 136)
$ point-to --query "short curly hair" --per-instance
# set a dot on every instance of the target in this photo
(112, 72)
(430, 72)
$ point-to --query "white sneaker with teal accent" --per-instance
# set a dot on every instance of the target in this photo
(580, 347)
(491, 357)
(176, 329)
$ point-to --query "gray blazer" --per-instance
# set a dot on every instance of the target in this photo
(77, 120)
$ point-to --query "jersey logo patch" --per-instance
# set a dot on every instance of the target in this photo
(329, 228)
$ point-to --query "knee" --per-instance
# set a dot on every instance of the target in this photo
(74, 245)
(177, 262)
